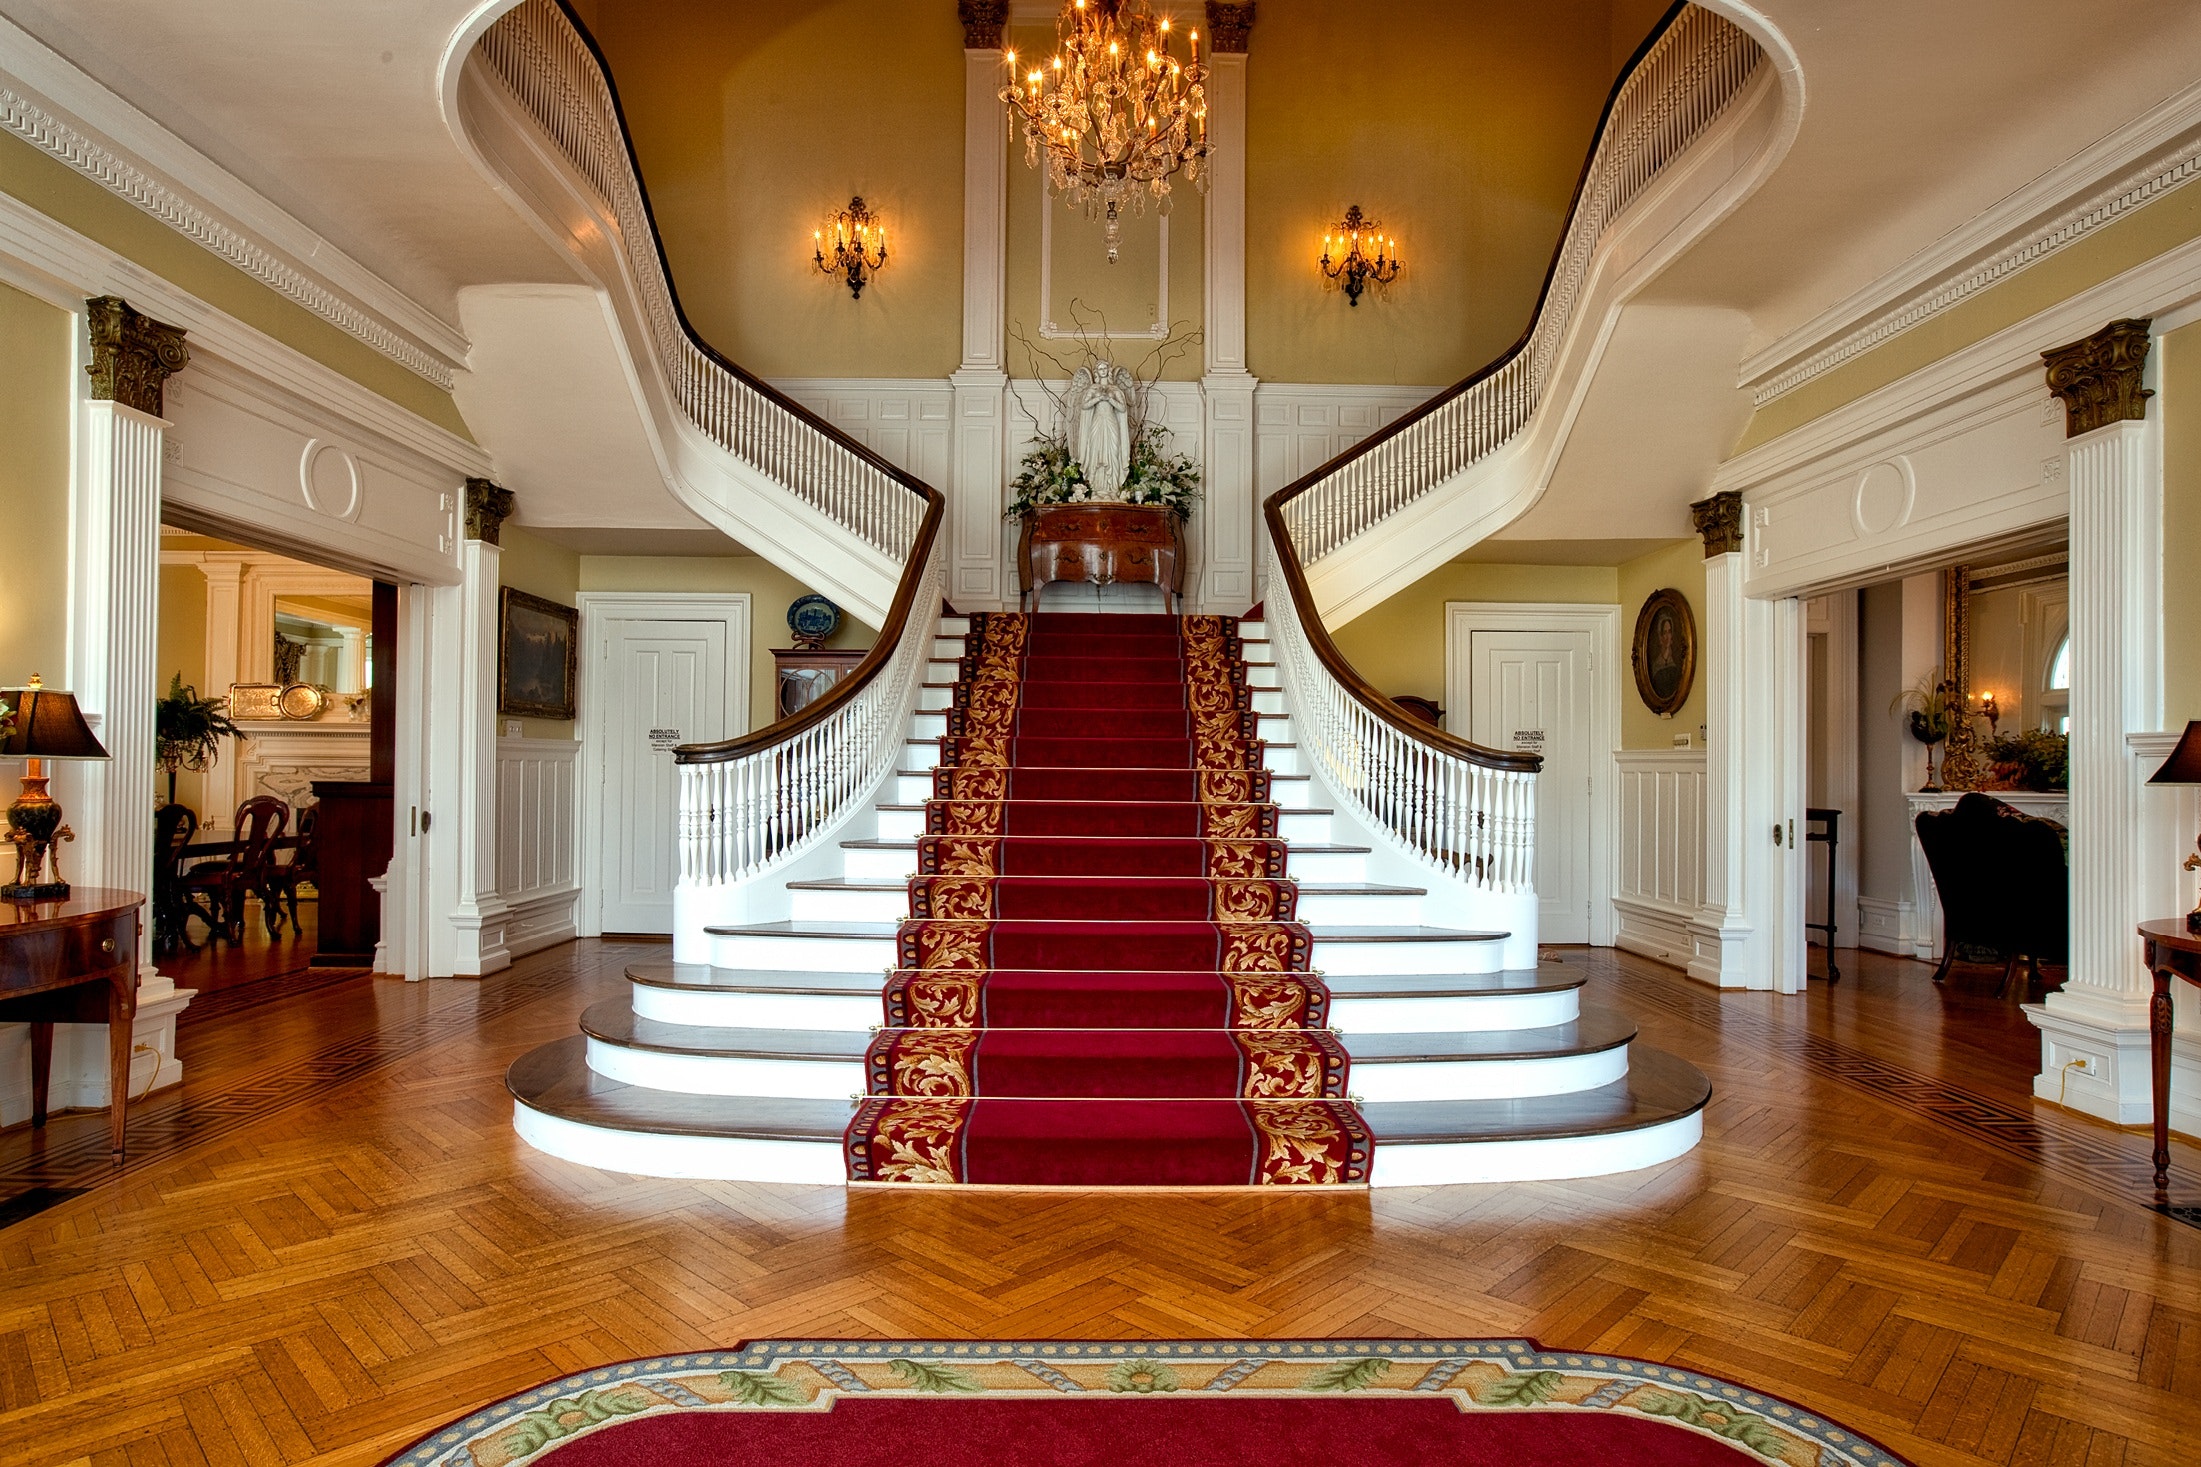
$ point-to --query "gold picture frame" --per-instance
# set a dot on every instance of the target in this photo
(1665, 651)
(536, 656)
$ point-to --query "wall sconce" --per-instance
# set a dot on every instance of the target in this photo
(859, 241)
(1346, 257)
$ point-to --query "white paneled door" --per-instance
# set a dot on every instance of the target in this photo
(661, 675)
(1530, 691)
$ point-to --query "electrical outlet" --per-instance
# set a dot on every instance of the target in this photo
(2088, 1065)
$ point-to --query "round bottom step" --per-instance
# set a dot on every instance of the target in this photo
(566, 1109)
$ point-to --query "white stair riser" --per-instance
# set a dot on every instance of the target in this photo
(930, 698)
(954, 626)
(1267, 700)
(643, 1153)
(1293, 825)
(947, 649)
(1413, 955)
(1443, 1162)
(704, 1074)
(803, 955)
(732, 1008)
(1253, 631)
(1514, 1079)
(1262, 675)
(931, 719)
(914, 787)
(867, 864)
(1282, 761)
(919, 758)
(843, 905)
(1474, 1013)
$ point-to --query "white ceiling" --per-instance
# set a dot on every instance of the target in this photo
(1917, 115)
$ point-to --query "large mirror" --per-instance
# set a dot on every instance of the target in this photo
(325, 641)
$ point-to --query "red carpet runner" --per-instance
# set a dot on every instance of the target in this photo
(1100, 983)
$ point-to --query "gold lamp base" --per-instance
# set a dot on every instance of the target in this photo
(36, 831)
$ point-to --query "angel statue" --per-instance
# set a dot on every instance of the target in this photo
(1097, 413)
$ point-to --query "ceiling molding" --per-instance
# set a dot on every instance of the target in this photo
(51, 104)
(2131, 168)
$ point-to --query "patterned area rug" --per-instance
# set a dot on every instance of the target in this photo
(1101, 982)
(1068, 1403)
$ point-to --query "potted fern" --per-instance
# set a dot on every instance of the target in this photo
(188, 730)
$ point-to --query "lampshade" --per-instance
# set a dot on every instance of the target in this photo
(2184, 764)
(48, 725)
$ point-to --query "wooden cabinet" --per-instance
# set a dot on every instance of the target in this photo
(805, 673)
(353, 832)
(1104, 544)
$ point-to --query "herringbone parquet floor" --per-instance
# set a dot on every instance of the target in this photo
(330, 1242)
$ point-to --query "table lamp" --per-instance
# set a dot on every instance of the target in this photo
(47, 725)
(2184, 767)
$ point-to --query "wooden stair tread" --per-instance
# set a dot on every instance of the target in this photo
(1657, 1088)
(555, 1079)
(701, 978)
(1306, 888)
(1597, 1030)
(1554, 978)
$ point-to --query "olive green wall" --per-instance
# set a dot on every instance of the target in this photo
(37, 358)
(1462, 126)
(753, 122)
(2179, 393)
(1681, 566)
(770, 590)
(62, 194)
(552, 572)
(1399, 646)
(180, 647)
(2133, 240)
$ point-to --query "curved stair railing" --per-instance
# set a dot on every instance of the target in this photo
(1467, 810)
(754, 802)
(1681, 79)
(551, 67)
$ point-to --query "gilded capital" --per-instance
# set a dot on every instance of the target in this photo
(132, 354)
(2098, 380)
(1719, 521)
(1230, 26)
(487, 508)
(982, 23)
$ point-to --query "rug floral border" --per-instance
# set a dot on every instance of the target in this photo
(810, 1375)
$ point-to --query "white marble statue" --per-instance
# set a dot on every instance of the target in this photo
(1097, 413)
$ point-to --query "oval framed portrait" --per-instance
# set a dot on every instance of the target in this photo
(1665, 652)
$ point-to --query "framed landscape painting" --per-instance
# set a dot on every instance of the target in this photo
(535, 655)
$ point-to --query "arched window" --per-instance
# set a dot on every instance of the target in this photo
(2056, 689)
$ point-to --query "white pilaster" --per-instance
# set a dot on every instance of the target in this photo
(1228, 514)
(224, 590)
(2094, 1029)
(981, 449)
(467, 932)
(116, 600)
(1720, 936)
(1921, 663)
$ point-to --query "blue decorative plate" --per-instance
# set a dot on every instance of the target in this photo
(813, 619)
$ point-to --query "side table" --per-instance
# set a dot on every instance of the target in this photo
(2172, 951)
(73, 961)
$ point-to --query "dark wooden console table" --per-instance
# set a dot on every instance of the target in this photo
(1105, 544)
(2172, 951)
(73, 962)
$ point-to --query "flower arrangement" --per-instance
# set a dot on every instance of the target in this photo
(2030, 759)
(1049, 475)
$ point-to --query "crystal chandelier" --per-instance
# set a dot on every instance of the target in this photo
(1115, 114)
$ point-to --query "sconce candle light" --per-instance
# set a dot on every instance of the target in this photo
(1355, 254)
(859, 240)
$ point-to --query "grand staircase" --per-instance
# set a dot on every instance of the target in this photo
(1032, 970)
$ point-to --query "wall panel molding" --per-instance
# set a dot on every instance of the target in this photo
(538, 866)
(1659, 887)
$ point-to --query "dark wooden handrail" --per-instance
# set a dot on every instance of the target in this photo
(928, 529)
(1272, 509)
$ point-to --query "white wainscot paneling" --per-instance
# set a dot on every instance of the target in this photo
(1300, 426)
(909, 423)
(1660, 885)
(538, 873)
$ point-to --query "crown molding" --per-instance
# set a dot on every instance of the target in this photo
(50, 103)
(2125, 171)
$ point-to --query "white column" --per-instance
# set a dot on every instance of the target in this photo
(2094, 1030)
(1228, 516)
(1720, 938)
(224, 588)
(467, 938)
(978, 577)
(1921, 662)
